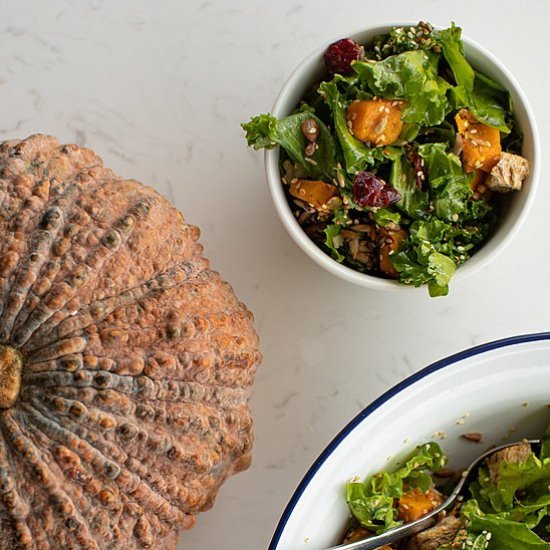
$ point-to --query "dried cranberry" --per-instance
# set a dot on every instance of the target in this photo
(340, 54)
(370, 190)
(418, 166)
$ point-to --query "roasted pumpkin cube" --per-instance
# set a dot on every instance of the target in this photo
(376, 121)
(392, 240)
(415, 503)
(314, 192)
(481, 147)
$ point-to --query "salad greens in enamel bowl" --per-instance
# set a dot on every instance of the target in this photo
(396, 163)
(402, 454)
(506, 506)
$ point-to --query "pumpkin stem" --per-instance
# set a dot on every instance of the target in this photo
(11, 363)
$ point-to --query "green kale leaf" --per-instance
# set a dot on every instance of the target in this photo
(424, 257)
(531, 477)
(414, 202)
(449, 184)
(373, 502)
(385, 217)
(488, 101)
(356, 154)
(412, 76)
(332, 241)
(502, 531)
(266, 132)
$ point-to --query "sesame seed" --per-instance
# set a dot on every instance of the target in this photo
(454, 217)
(311, 161)
(473, 142)
(381, 109)
(473, 131)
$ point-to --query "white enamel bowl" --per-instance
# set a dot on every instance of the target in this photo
(511, 219)
(501, 389)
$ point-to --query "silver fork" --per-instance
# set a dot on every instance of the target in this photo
(409, 529)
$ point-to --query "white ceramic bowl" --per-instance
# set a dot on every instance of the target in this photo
(501, 389)
(512, 217)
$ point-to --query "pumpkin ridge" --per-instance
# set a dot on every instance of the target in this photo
(52, 202)
(63, 504)
(142, 386)
(97, 456)
(79, 275)
(160, 445)
(148, 495)
(40, 240)
(118, 232)
(58, 348)
(15, 506)
(108, 305)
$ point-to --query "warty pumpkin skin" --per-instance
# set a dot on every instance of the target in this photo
(126, 364)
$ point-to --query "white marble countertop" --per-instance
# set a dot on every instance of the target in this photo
(158, 89)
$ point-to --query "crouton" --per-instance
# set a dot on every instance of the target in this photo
(439, 535)
(508, 174)
(517, 453)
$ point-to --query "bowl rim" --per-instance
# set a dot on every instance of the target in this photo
(284, 211)
(446, 362)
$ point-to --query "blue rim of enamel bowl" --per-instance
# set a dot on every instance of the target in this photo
(377, 403)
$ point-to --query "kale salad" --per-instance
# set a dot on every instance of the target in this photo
(394, 162)
(507, 506)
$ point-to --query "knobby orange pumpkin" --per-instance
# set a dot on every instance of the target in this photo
(125, 363)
